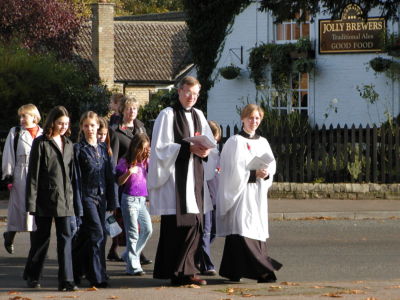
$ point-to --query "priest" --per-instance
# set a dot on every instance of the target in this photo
(175, 185)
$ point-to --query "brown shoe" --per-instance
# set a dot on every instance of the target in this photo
(195, 280)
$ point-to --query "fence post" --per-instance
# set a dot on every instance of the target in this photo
(323, 152)
(374, 160)
(397, 152)
(330, 157)
(368, 153)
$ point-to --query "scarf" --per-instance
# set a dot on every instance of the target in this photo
(181, 131)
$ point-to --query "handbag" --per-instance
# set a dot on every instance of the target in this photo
(112, 227)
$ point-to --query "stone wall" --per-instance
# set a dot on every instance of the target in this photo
(287, 190)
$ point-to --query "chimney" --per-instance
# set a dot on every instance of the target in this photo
(103, 41)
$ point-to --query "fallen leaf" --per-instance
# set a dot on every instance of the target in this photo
(371, 298)
(192, 286)
(247, 295)
(113, 297)
(230, 290)
(275, 287)
(13, 293)
(50, 297)
(290, 283)
(394, 287)
(91, 289)
(358, 281)
(333, 295)
(318, 287)
(70, 297)
(19, 298)
(352, 292)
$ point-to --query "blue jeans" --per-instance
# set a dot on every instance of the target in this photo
(135, 215)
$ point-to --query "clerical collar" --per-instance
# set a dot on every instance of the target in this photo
(247, 136)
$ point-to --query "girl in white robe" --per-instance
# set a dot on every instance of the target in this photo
(242, 206)
(15, 167)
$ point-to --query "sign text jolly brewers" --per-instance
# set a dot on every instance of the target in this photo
(352, 33)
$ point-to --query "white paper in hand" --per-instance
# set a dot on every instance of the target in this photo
(260, 162)
(201, 140)
(112, 227)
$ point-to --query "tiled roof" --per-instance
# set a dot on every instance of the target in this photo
(145, 52)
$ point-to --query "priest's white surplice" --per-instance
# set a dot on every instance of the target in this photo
(161, 175)
(242, 207)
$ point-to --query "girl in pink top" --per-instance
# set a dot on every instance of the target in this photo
(132, 172)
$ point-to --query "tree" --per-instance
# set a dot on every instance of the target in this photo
(41, 25)
(289, 9)
(136, 7)
(43, 80)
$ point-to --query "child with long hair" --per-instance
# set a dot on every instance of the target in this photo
(131, 173)
(97, 192)
(49, 196)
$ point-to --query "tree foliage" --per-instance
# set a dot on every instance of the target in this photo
(41, 25)
(136, 7)
(289, 9)
(208, 23)
(43, 80)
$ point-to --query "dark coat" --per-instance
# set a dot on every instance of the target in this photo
(120, 138)
(49, 190)
(95, 175)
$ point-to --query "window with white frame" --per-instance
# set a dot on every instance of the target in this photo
(291, 30)
(295, 99)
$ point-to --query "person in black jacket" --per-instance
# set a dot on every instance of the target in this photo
(121, 135)
(49, 195)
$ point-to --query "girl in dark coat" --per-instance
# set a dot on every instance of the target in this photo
(49, 195)
(97, 190)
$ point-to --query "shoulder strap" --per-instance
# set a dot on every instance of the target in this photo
(16, 138)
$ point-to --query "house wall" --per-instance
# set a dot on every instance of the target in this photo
(336, 76)
(141, 93)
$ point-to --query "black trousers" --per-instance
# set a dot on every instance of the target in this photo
(40, 245)
(177, 248)
(88, 251)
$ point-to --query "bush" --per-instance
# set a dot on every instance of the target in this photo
(42, 80)
(158, 101)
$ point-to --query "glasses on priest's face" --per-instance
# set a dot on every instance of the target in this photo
(190, 94)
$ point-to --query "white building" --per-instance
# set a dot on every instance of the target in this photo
(332, 85)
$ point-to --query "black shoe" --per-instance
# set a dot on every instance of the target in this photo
(235, 279)
(101, 285)
(211, 272)
(145, 261)
(270, 278)
(113, 256)
(140, 273)
(67, 286)
(8, 243)
(32, 283)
